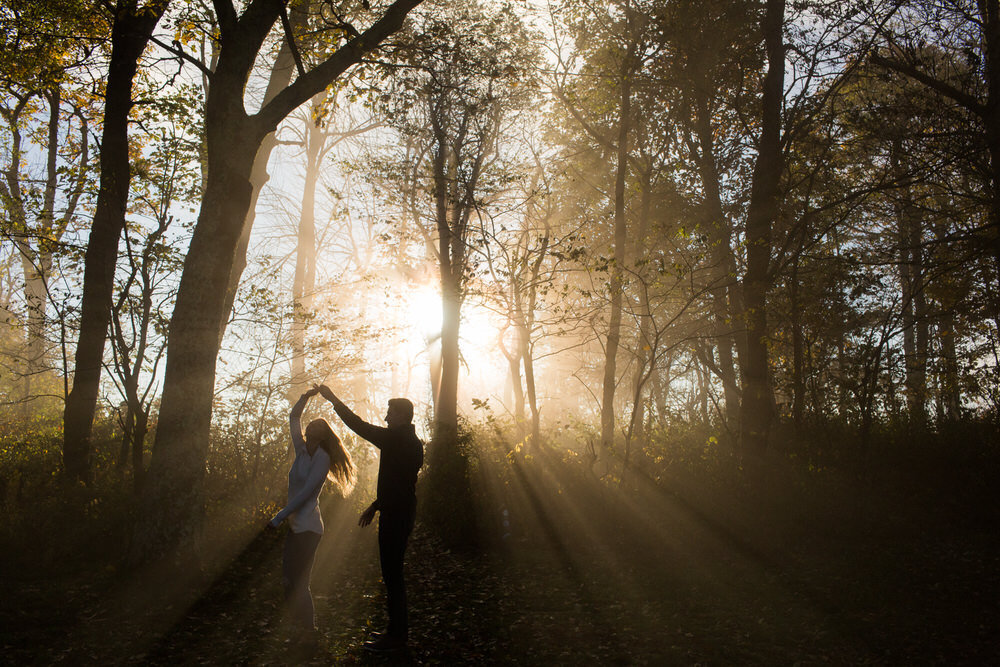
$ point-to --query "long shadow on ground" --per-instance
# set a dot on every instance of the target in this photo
(664, 572)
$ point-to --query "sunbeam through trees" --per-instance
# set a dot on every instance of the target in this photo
(696, 305)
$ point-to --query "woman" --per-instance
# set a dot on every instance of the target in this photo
(318, 456)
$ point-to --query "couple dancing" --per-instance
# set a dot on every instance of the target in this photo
(319, 454)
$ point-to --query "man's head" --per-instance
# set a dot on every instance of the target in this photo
(400, 412)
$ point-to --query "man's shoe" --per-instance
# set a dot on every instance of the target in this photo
(305, 635)
(306, 641)
(384, 642)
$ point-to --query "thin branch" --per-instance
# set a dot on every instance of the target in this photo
(296, 56)
(962, 98)
(179, 52)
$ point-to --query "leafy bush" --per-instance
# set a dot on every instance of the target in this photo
(49, 520)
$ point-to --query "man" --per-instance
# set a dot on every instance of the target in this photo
(401, 455)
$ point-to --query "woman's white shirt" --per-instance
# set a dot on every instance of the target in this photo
(305, 481)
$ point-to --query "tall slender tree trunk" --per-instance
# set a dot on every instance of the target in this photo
(524, 338)
(37, 266)
(989, 14)
(913, 298)
(36, 258)
(139, 431)
(951, 397)
(513, 357)
(661, 383)
(130, 33)
(446, 403)
(723, 289)
(921, 324)
(757, 408)
(646, 347)
(950, 390)
(446, 427)
(798, 350)
(305, 254)
(530, 390)
(616, 282)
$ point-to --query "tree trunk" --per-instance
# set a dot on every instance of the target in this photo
(798, 355)
(661, 384)
(38, 268)
(139, 431)
(913, 301)
(36, 260)
(757, 408)
(446, 419)
(514, 385)
(305, 256)
(989, 14)
(921, 324)
(950, 396)
(616, 279)
(525, 311)
(950, 392)
(646, 345)
(281, 74)
(172, 499)
(130, 33)
(536, 414)
(723, 291)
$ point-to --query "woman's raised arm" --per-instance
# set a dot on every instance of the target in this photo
(295, 420)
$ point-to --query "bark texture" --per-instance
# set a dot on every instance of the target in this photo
(130, 33)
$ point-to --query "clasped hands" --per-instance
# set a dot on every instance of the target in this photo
(322, 390)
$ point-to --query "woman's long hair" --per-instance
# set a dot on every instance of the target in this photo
(342, 472)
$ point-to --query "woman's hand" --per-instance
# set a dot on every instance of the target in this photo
(309, 393)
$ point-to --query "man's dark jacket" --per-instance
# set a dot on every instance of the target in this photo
(402, 454)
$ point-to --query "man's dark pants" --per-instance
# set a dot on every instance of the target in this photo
(394, 528)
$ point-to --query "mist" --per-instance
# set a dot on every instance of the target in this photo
(695, 305)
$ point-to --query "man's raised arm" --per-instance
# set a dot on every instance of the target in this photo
(370, 432)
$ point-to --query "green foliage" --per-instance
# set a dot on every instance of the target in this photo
(40, 41)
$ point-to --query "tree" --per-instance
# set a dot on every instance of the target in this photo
(471, 74)
(708, 48)
(172, 501)
(614, 43)
(132, 25)
(47, 111)
(166, 177)
(319, 135)
(285, 63)
(969, 75)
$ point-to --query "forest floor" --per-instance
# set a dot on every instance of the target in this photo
(799, 574)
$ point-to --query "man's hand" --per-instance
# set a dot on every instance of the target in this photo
(367, 516)
(327, 393)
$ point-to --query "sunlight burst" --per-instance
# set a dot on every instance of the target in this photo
(483, 371)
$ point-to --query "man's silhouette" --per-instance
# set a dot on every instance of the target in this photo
(401, 455)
